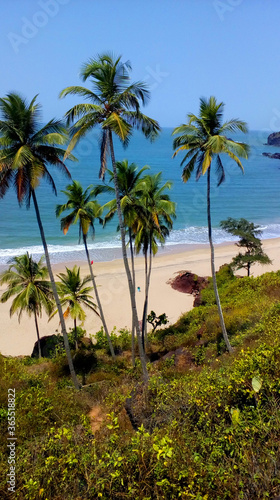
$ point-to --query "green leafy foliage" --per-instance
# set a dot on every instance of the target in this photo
(157, 321)
(208, 432)
(249, 233)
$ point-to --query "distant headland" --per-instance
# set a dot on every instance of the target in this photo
(274, 139)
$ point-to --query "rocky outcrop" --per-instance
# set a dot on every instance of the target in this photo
(187, 282)
(274, 139)
(48, 345)
(272, 155)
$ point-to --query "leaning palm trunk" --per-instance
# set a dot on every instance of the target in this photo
(58, 305)
(98, 300)
(134, 286)
(225, 335)
(38, 336)
(147, 286)
(145, 301)
(126, 265)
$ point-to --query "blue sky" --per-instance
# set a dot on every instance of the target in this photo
(184, 49)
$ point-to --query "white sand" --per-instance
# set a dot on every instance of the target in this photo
(19, 338)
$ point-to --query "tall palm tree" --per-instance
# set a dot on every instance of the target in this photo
(151, 226)
(26, 150)
(28, 285)
(114, 105)
(129, 178)
(84, 210)
(204, 137)
(74, 295)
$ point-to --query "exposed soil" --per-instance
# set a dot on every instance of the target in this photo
(96, 416)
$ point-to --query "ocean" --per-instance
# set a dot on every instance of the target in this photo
(254, 196)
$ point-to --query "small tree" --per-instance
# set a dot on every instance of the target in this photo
(249, 233)
(156, 321)
(74, 295)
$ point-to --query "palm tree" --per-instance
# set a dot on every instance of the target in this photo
(28, 285)
(74, 295)
(204, 138)
(25, 151)
(115, 107)
(84, 210)
(129, 178)
(152, 225)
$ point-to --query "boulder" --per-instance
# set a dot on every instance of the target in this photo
(48, 345)
(187, 282)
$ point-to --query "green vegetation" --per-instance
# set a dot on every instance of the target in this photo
(185, 419)
(206, 426)
(156, 321)
(204, 138)
(75, 295)
(249, 233)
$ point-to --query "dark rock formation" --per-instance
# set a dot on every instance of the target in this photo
(272, 155)
(48, 345)
(274, 139)
(187, 282)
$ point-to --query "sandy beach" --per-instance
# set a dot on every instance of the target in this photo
(18, 338)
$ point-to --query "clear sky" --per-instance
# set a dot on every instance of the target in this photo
(184, 49)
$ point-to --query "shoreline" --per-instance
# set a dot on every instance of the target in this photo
(19, 338)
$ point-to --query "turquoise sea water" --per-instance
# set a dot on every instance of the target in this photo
(254, 195)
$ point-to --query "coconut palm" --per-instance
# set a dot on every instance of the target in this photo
(28, 284)
(84, 210)
(114, 106)
(128, 179)
(152, 225)
(204, 139)
(75, 295)
(26, 150)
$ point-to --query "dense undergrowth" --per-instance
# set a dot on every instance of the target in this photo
(208, 423)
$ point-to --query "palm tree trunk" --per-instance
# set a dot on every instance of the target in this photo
(38, 336)
(98, 300)
(145, 302)
(75, 334)
(225, 335)
(125, 260)
(58, 305)
(134, 286)
(147, 286)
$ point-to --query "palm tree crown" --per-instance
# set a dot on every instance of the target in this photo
(128, 177)
(155, 213)
(26, 149)
(26, 280)
(28, 285)
(204, 138)
(114, 104)
(84, 209)
(74, 294)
